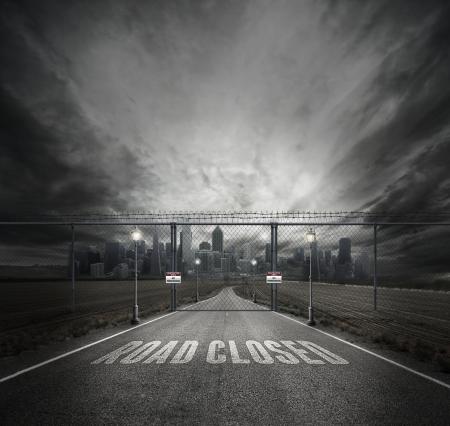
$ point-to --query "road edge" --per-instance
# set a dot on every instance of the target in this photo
(66, 354)
(390, 361)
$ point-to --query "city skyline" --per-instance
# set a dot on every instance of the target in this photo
(327, 263)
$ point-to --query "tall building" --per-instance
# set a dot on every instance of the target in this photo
(299, 255)
(217, 261)
(247, 251)
(180, 254)
(328, 257)
(206, 260)
(168, 251)
(225, 264)
(268, 256)
(217, 239)
(344, 267)
(362, 266)
(204, 245)
(315, 261)
(345, 251)
(186, 241)
(114, 252)
(156, 257)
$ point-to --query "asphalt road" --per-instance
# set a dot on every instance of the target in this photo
(225, 300)
(228, 372)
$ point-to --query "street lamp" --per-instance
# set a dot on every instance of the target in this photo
(136, 236)
(254, 262)
(311, 238)
(197, 264)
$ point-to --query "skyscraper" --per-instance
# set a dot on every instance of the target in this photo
(344, 267)
(268, 256)
(180, 254)
(247, 251)
(299, 255)
(217, 239)
(156, 258)
(345, 251)
(186, 241)
(114, 251)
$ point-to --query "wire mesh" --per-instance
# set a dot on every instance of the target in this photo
(412, 276)
(226, 263)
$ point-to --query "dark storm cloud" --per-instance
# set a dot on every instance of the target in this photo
(114, 106)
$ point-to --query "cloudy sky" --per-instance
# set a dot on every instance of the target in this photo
(224, 105)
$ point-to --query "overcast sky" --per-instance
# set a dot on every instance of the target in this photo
(224, 105)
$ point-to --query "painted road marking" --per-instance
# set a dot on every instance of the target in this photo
(390, 361)
(219, 352)
(56, 358)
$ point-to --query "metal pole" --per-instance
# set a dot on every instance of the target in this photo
(375, 267)
(254, 289)
(135, 319)
(73, 267)
(173, 241)
(310, 309)
(273, 252)
(196, 298)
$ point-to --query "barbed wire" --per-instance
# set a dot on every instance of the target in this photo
(240, 216)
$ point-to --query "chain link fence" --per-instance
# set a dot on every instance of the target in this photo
(381, 277)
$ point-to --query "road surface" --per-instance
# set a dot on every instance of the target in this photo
(227, 367)
(225, 300)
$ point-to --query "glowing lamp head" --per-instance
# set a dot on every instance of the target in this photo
(136, 235)
(254, 262)
(197, 261)
(311, 236)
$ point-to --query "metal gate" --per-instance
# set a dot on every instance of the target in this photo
(224, 266)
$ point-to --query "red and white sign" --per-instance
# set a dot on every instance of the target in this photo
(173, 277)
(273, 277)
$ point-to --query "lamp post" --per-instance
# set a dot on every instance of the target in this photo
(311, 238)
(136, 236)
(197, 264)
(254, 262)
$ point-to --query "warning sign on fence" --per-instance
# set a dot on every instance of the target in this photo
(273, 277)
(173, 277)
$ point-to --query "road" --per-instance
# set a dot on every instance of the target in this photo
(225, 300)
(222, 367)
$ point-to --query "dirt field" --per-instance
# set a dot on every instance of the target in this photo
(417, 321)
(413, 320)
(33, 313)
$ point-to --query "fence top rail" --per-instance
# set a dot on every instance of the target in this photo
(254, 223)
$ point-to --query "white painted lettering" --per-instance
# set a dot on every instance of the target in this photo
(161, 355)
(112, 356)
(285, 357)
(258, 352)
(185, 353)
(212, 358)
(301, 353)
(235, 358)
(140, 353)
(323, 353)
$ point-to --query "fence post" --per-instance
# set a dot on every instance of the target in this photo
(273, 261)
(73, 266)
(375, 266)
(173, 242)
